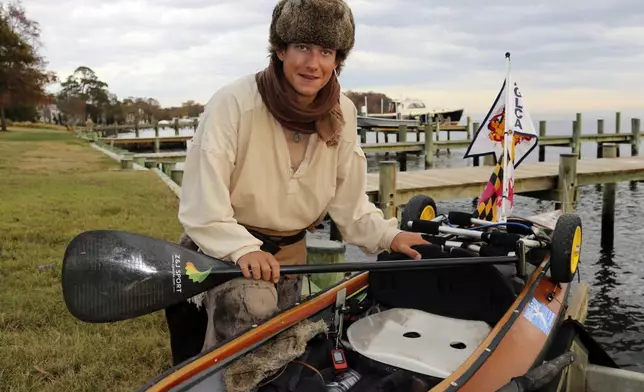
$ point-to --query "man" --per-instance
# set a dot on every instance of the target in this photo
(273, 153)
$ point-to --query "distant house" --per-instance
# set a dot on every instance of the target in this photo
(48, 113)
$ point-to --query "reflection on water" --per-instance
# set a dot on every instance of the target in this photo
(616, 316)
(615, 276)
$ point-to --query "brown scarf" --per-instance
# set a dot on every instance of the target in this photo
(323, 116)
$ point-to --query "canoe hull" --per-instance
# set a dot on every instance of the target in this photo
(515, 345)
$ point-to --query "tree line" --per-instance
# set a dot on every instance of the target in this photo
(84, 96)
(24, 78)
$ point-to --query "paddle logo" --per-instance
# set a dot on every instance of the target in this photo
(190, 270)
(176, 274)
(194, 274)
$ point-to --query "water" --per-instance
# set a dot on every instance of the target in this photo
(615, 276)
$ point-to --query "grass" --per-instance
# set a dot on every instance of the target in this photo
(54, 186)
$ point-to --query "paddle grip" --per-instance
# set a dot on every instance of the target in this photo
(459, 218)
(496, 238)
(422, 226)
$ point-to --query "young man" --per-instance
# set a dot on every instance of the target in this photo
(273, 153)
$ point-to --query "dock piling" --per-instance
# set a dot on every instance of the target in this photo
(437, 133)
(139, 161)
(167, 167)
(600, 131)
(635, 140)
(475, 127)
(608, 203)
(429, 145)
(402, 138)
(566, 182)
(576, 133)
(542, 133)
(387, 188)
(127, 162)
(176, 175)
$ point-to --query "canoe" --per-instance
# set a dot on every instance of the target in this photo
(462, 327)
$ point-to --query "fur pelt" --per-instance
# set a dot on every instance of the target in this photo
(249, 371)
(328, 23)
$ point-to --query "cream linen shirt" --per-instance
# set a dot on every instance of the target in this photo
(238, 172)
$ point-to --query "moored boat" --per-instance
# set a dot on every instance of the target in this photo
(415, 109)
(490, 316)
(375, 122)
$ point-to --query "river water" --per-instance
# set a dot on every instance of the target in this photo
(615, 276)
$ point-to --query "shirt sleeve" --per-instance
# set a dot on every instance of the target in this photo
(205, 210)
(360, 222)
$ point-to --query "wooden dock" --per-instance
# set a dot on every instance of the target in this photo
(469, 182)
(430, 147)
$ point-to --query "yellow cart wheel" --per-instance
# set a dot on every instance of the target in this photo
(419, 207)
(566, 248)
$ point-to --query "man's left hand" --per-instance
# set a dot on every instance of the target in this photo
(403, 242)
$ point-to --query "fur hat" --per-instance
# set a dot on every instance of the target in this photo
(328, 23)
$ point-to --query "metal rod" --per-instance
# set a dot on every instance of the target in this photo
(457, 244)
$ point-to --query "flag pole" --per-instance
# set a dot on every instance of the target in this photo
(506, 138)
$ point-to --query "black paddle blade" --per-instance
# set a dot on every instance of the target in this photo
(113, 275)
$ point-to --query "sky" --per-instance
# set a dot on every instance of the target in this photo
(568, 56)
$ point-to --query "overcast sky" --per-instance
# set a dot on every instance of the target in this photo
(567, 55)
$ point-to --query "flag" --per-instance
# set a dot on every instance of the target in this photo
(489, 139)
(490, 203)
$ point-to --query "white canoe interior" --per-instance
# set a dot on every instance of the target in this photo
(416, 340)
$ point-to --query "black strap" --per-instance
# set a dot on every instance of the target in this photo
(273, 244)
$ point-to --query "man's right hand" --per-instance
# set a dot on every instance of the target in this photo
(260, 265)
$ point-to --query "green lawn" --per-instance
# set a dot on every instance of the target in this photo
(52, 187)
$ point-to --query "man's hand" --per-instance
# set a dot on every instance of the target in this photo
(403, 242)
(260, 265)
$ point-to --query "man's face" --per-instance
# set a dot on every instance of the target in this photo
(308, 68)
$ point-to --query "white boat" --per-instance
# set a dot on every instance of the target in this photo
(415, 109)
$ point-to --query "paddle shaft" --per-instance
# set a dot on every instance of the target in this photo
(382, 265)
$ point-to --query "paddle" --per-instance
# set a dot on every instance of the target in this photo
(113, 275)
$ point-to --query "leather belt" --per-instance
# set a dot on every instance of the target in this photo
(273, 244)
